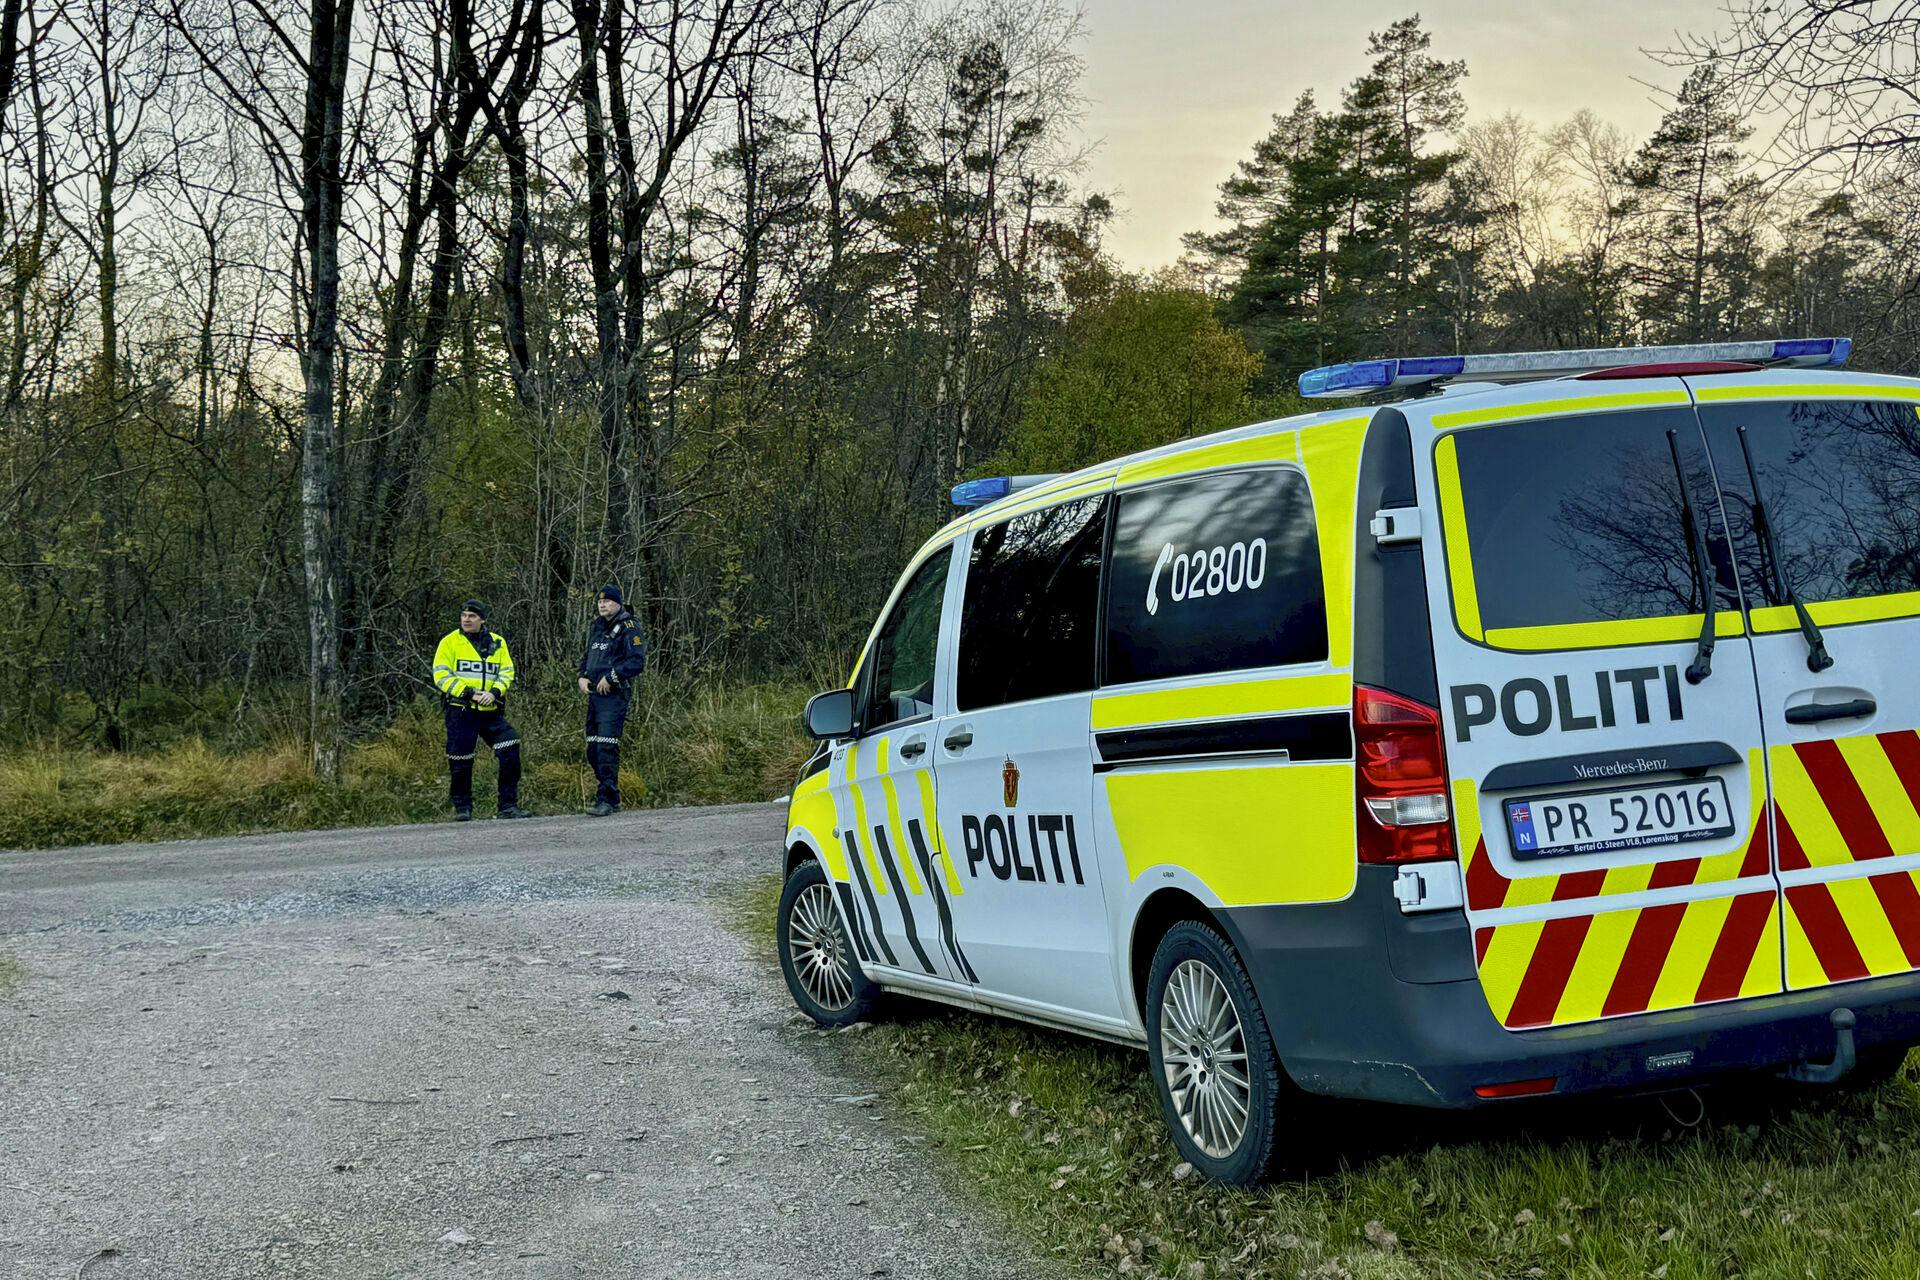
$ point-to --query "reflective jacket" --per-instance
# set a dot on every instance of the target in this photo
(464, 665)
(615, 649)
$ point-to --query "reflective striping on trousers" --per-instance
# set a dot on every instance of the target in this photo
(596, 738)
(452, 756)
(510, 742)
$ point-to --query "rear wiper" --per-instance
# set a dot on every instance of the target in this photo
(1777, 581)
(1702, 665)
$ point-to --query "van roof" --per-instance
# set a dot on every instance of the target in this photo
(1477, 394)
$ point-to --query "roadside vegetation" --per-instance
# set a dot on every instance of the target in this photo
(1064, 1138)
(686, 743)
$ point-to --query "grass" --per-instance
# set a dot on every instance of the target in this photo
(11, 974)
(1064, 1137)
(685, 744)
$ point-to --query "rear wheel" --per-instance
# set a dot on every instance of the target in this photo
(817, 958)
(1214, 1067)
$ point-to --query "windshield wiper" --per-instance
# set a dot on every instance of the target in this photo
(1702, 664)
(1778, 583)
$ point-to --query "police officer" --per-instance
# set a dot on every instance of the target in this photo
(473, 671)
(616, 655)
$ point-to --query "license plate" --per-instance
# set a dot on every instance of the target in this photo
(1623, 818)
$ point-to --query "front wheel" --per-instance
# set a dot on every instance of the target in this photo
(816, 956)
(1213, 1062)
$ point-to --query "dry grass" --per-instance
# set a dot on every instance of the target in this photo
(685, 744)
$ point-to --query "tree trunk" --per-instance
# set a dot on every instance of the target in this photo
(322, 188)
(588, 22)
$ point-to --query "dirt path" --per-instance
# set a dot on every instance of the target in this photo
(527, 1050)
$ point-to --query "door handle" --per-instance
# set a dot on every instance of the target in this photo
(1816, 712)
(959, 740)
(913, 748)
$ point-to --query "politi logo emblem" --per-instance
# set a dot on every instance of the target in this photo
(1010, 782)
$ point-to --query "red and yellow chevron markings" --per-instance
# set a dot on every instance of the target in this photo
(1607, 963)
(1843, 803)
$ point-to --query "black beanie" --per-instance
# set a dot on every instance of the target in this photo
(474, 606)
(611, 592)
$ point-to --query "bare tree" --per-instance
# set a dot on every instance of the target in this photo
(1840, 77)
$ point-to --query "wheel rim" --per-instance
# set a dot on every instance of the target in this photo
(1203, 1051)
(818, 947)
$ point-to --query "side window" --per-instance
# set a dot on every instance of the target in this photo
(898, 682)
(1841, 482)
(1217, 573)
(1032, 604)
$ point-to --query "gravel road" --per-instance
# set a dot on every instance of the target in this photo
(523, 1050)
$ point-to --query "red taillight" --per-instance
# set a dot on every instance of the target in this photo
(1516, 1088)
(1688, 368)
(1401, 778)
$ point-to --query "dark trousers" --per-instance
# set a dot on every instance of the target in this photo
(606, 719)
(465, 727)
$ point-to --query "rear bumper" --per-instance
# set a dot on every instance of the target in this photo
(1365, 1002)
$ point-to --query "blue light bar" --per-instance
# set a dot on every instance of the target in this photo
(977, 493)
(1348, 379)
(1364, 376)
(1832, 352)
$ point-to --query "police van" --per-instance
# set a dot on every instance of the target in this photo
(1549, 729)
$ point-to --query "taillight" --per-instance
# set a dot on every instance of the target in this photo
(1402, 778)
(1517, 1088)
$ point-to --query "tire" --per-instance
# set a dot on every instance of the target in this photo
(1222, 1119)
(816, 956)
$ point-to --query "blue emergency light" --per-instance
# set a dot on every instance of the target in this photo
(1364, 376)
(978, 493)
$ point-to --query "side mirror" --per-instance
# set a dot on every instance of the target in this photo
(830, 714)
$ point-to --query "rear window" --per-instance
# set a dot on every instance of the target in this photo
(1217, 573)
(1032, 606)
(1841, 480)
(1578, 520)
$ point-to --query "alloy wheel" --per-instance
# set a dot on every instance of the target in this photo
(1203, 1051)
(818, 946)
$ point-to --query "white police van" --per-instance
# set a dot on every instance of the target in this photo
(1545, 732)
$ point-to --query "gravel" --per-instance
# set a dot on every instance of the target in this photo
(526, 1050)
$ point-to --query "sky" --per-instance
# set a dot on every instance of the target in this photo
(1180, 90)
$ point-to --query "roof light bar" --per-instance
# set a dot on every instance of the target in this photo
(978, 493)
(1364, 376)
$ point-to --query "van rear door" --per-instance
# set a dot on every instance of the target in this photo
(1830, 467)
(1609, 808)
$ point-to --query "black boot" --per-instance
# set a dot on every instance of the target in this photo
(512, 811)
(602, 809)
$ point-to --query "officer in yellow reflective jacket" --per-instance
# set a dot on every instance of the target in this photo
(473, 671)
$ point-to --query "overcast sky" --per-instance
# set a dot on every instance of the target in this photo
(1180, 90)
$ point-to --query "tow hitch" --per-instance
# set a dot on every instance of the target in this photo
(1843, 1055)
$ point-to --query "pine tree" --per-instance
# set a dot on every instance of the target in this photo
(1257, 191)
(1693, 213)
(1402, 237)
(1359, 253)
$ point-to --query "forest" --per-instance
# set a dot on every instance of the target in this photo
(320, 316)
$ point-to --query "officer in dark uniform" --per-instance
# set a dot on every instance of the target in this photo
(473, 670)
(616, 655)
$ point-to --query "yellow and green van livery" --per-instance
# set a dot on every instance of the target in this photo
(1545, 729)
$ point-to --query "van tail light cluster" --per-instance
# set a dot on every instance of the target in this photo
(1402, 779)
